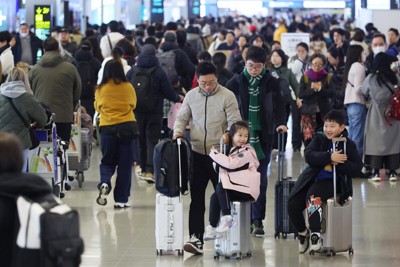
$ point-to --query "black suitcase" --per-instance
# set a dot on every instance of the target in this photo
(282, 190)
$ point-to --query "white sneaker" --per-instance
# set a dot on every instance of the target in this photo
(304, 242)
(225, 223)
(104, 190)
(316, 242)
(210, 233)
(375, 178)
(393, 177)
(120, 205)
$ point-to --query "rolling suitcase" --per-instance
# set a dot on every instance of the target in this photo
(169, 219)
(336, 221)
(283, 187)
(236, 242)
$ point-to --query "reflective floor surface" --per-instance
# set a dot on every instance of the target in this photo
(122, 238)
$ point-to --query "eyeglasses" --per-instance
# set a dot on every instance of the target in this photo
(317, 65)
(255, 66)
(209, 83)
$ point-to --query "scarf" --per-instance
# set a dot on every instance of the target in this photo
(316, 76)
(254, 112)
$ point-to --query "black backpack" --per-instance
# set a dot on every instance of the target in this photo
(47, 233)
(145, 88)
(88, 83)
(166, 166)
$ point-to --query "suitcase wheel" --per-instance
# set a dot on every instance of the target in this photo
(159, 252)
(330, 253)
(284, 235)
(248, 254)
(180, 252)
(277, 235)
(312, 252)
(216, 256)
(351, 251)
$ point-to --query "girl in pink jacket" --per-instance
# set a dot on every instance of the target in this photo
(239, 179)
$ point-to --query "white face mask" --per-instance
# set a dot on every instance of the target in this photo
(378, 49)
(23, 34)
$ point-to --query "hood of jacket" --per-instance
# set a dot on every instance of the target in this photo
(23, 184)
(147, 61)
(167, 46)
(13, 89)
(83, 55)
(50, 59)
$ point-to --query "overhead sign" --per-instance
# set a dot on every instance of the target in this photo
(193, 8)
(156, 11)
(42, 21)
(289, 41)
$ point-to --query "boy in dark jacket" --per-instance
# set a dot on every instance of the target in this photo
(315, 185)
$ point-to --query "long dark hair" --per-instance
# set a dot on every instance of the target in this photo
(113, 70)
(353, 55)
(381, 68)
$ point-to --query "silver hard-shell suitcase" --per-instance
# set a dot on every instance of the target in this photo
(169, 219)
(337, 221)
(236, 242)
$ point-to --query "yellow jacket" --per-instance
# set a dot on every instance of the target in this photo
(278, 32)
(115, 103)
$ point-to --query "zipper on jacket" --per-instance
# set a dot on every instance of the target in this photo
(205, 127)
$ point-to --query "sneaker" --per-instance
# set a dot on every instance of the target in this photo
(304, 242)
(225, 223)
(258, 228)
(393, 177)
(316, 242)
(104, 190)
(194, 246)
(141, 175)
(210, 233)
(120, 205)
(150, 178)
(375, 177)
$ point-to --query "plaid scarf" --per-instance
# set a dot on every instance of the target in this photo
(254, 112)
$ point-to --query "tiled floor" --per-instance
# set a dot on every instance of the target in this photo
(115, 238)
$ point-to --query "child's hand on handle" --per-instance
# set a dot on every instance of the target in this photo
(337, 157)
(213, 150)
(281, 128)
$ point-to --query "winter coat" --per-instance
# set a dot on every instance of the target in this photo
(272, 105)
(26, 104)
(15, 184)
(105, 43)
(57, 84)
(7, 60)
(208, 116)
(318, 155)
(381, 139)
(288, 75)
(238, 171)
(36, 44)
(159, 78)
(184, 67)
(356, 76)
(314, 101)
(298, 67)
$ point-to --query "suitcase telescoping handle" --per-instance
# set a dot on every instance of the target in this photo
(281, 154)
(179, 142)
(334, 142)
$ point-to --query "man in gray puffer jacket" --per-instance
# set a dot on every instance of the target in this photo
(57, 84)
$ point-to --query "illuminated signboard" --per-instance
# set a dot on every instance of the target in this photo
(194, 8)
(157, 11)
(42, 21)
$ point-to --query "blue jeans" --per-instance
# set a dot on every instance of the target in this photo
(117, 153)
(357, 114)
(258, 208)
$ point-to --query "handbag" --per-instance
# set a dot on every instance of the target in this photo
(392, 110)
(32, 134)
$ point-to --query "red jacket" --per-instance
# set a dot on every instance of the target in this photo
(235, 175)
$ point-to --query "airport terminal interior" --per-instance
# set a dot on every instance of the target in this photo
(126, 237)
